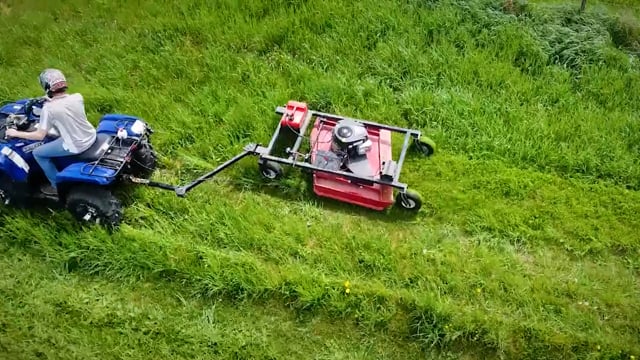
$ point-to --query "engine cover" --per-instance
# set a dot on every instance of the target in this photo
(351, 137)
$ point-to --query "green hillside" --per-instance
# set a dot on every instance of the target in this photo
(527, 246)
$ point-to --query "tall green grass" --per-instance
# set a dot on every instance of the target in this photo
(527, 243)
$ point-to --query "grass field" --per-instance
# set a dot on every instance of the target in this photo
(527, 246)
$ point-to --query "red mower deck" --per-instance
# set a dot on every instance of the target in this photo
(373, 196)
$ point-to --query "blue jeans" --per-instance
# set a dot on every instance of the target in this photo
(43, 155)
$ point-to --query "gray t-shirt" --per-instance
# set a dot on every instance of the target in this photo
(66, 114)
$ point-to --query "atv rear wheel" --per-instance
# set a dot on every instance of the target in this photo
(144, 161)
(94, 205)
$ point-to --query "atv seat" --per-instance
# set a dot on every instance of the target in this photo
(95, 151)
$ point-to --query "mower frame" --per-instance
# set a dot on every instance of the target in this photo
(389, 179)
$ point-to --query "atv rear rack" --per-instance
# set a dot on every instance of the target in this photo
(113, 158)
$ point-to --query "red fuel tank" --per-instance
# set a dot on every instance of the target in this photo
(294, 115)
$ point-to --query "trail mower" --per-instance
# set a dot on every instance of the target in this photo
(85, 181)
(350, 159)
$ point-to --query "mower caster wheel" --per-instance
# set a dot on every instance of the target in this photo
(426, 146)
(409, 200)
(271, 170)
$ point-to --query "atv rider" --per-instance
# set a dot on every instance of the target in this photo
(65, 113)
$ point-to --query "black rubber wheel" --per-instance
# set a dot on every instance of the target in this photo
(94, 205)
(271, 170)
(144, 161)
(425, 146)
(409, 200)
(6, 191)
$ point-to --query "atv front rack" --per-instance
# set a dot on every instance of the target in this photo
(389, 171)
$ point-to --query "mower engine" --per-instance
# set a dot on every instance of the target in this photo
(350, 143)
(350, 137)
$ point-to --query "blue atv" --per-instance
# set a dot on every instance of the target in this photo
(86, 181)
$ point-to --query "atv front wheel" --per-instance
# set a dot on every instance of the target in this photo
(6, 191)
(144, 161)
(94, 205)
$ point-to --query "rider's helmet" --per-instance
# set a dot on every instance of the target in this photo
(52, 81)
